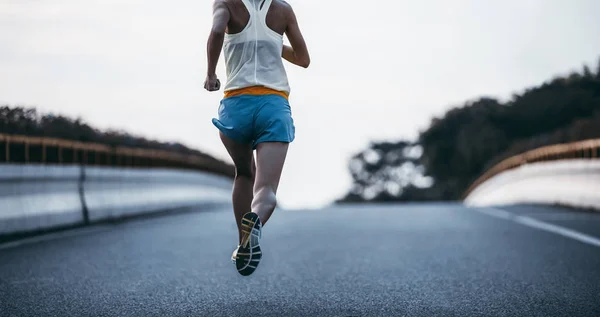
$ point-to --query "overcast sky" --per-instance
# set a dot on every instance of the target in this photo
(381, 69)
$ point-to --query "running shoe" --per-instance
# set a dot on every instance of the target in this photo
(248, 253)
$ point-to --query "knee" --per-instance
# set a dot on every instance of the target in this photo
(245, 172)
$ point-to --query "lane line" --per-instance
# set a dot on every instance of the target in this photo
(560, 216)
(53, 236)
(498, 213)
(536, 224)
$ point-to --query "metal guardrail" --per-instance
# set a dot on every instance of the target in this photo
(42, 150)
(37, 198)
(588, 149)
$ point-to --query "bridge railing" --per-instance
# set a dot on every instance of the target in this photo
(588, 149)
(48, 183)
(43, 150)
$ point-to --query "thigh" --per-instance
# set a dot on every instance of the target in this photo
(242, 156)
(270, 158)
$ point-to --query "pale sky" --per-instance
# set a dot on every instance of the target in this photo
(381, 69)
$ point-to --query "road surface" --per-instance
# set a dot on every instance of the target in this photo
(406, 260)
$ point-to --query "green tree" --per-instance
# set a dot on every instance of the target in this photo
(384, 171)
(469, 139)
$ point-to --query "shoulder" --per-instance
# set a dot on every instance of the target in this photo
(283, 4)
(285, 7)
(223, 7)
(220, 4)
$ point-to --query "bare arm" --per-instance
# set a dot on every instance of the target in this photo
(215, 43)
(298, 53)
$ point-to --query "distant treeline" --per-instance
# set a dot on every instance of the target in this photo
(458, 147)
(27, 121)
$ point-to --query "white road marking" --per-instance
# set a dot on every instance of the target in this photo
(567, 216)
(533, 223)
(53, 236)
(498, 213)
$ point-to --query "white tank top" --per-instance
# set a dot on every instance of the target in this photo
(253, 56)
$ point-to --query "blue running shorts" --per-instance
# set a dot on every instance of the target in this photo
(254, 119)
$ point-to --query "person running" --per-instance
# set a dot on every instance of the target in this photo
(255, 113)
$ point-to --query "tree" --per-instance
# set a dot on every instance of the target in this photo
(587, 73)
(469, 139)
(27, 121)
(384, 170)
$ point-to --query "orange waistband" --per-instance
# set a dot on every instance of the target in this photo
(255, 90)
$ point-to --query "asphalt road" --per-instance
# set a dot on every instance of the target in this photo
(411, 260)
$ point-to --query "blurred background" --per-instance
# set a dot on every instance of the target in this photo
(448, 149)
(459, 85)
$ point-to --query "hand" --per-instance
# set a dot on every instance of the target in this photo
(212, 83)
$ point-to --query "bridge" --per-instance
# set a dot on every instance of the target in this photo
(122, 235)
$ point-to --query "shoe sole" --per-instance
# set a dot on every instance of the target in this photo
(249, 253)
(234, 255)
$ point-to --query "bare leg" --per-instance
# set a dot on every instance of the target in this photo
(245, 171)
(270, 157)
